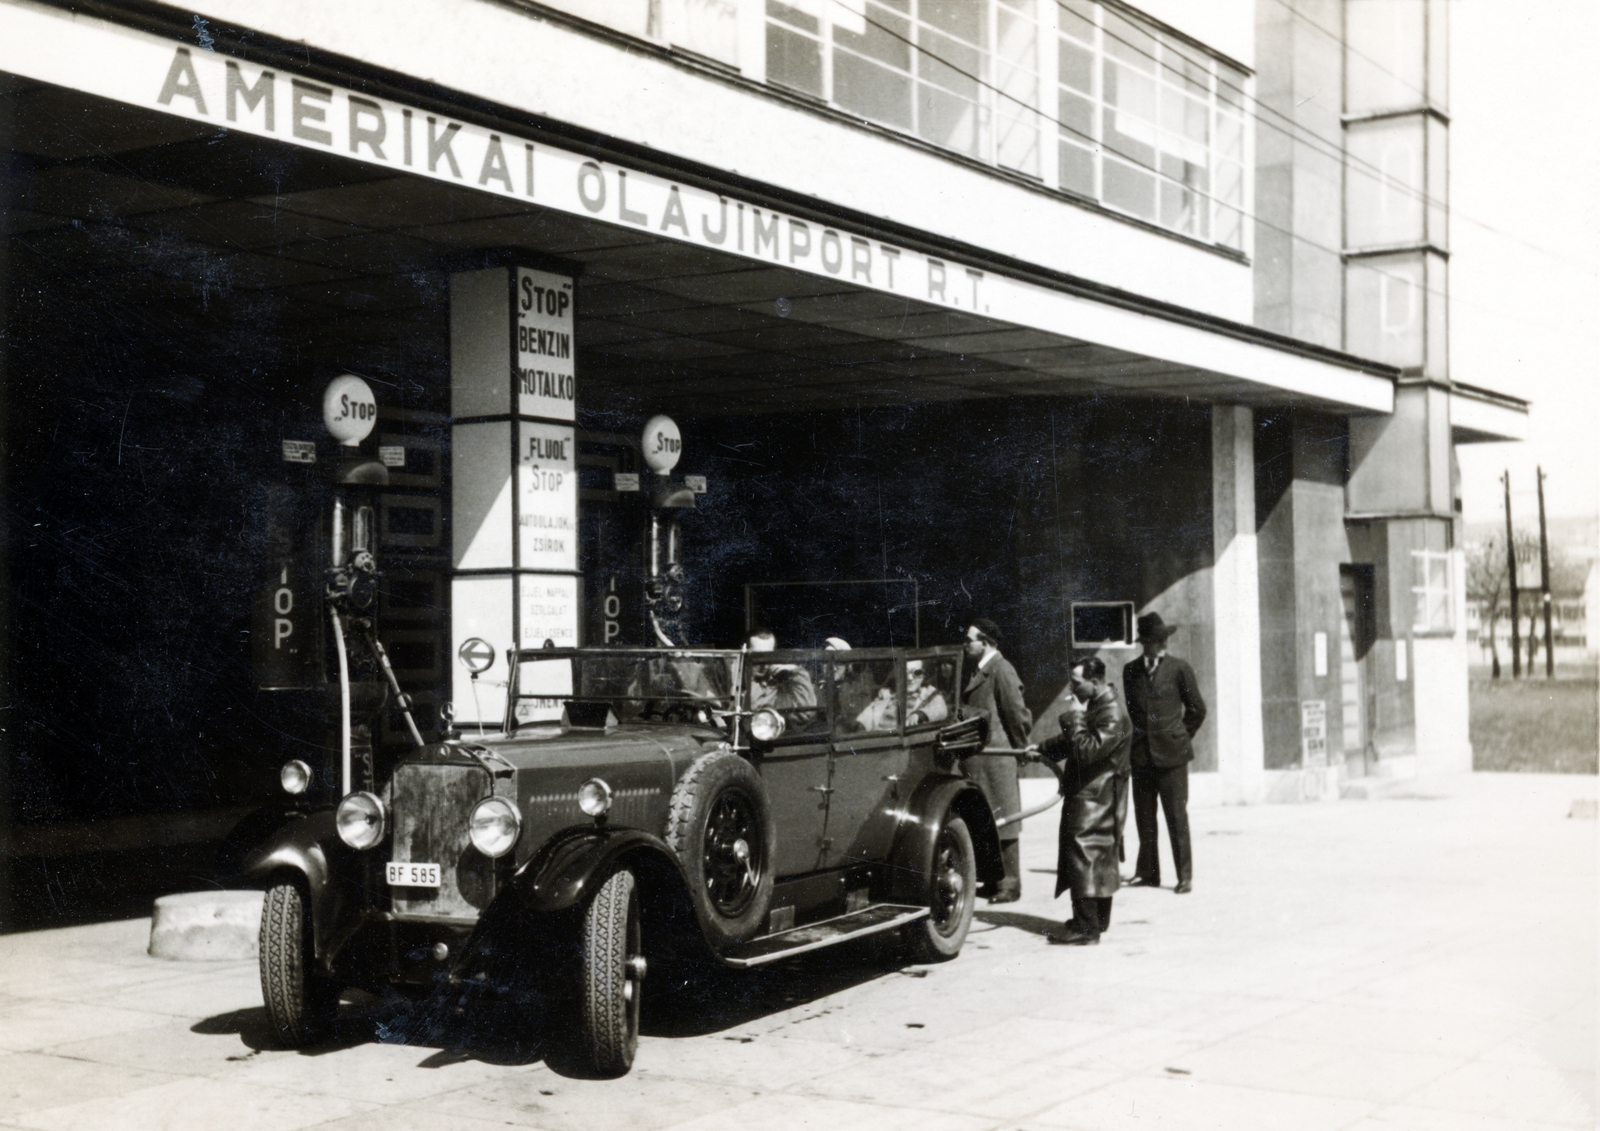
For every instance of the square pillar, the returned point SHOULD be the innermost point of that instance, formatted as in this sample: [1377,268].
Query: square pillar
[514,485]
[1236,612]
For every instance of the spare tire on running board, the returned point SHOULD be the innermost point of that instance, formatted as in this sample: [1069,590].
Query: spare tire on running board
[720,825]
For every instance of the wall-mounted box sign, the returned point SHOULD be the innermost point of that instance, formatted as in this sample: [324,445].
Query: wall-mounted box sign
[1314,732]
[1102,624]
[624,481]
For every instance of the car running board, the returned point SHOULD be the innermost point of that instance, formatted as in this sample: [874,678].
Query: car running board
[829,932]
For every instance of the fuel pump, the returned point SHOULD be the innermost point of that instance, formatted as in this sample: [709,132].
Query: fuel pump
[664,596]
[325,576]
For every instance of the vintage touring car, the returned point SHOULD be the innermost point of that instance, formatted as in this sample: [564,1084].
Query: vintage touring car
[636,802]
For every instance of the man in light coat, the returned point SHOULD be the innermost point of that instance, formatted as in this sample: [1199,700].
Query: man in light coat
[994,690]
[1166,708]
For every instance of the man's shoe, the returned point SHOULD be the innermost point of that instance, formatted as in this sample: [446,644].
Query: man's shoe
[1073,935]
[1141,882]
[1005,895]
[1184,887]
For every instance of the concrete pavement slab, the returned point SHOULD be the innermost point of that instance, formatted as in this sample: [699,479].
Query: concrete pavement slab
[36,1024]
[1538,1092]
[536,1097]
[1334,968]
[1191,1105]
[187,1104]
[1380,1075]
[29,1082]
[809,1113]
[990,1087]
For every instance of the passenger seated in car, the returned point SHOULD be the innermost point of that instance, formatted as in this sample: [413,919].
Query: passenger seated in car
[925,703]
[854,685]
[783,687]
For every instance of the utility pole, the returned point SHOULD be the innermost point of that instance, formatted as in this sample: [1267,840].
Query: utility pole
[1511,573]
[1544,587]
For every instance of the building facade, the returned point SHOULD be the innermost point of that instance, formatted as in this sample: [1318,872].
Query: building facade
[1023,304]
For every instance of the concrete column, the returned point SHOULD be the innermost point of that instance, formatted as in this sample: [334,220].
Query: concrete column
[1236,714]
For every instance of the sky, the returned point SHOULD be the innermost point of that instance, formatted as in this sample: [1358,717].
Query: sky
[1525,245]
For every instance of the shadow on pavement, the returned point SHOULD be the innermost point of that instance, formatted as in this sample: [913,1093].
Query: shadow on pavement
[690,998]
[1033,924]
[684,998]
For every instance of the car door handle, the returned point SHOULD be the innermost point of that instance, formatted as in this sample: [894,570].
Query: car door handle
[892,778]
[822,789]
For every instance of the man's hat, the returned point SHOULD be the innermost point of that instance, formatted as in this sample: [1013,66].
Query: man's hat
[988,628]
[1152,628]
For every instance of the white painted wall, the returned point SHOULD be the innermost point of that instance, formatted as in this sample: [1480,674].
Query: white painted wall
[522,61]
[1228,26]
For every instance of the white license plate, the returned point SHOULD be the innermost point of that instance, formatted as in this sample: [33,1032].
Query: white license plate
[407,875]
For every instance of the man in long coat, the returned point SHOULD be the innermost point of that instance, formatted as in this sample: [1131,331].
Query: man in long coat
[994,690]
[1166,708]
[1092,749]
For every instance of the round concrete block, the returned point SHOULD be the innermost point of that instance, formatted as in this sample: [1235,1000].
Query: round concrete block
[206,926]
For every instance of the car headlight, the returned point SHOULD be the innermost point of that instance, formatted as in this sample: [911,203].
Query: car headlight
[766,725]
[295,777]
[496,824]
[361,820]
[594,797]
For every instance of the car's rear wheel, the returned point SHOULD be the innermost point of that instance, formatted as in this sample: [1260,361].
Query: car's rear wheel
[301,1004]
[611,969]
[720,826]
[952,885]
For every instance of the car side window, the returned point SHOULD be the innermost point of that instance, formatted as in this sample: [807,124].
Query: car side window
[930,690]
[798,692]
[868,697]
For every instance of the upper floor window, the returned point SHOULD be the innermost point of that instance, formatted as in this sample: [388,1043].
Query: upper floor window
[1431,591]
[1137,119]
[1151,125]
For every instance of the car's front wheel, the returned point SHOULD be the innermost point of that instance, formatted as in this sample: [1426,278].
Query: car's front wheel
[301,1004]
[611,969]
[952,884]
[719,824]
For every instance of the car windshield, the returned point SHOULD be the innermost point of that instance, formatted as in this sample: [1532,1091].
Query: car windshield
[634,686]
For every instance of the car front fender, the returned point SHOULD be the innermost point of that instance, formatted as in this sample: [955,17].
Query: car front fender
[306,845]
[562,875]
[911,860]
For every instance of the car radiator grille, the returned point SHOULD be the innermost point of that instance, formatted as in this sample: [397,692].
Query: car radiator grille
[432,811]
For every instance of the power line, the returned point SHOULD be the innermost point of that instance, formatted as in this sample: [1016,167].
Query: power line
[1166,177]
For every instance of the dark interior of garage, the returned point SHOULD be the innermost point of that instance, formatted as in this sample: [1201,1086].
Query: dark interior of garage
[175,300]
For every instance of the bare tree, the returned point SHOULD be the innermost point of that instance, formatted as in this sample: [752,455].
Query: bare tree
[1487,585]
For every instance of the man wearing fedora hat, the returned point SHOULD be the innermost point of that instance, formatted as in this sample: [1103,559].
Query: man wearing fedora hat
[994,691]
[1165,706]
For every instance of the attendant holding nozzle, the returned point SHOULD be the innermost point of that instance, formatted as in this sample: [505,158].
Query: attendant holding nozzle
[1092,750]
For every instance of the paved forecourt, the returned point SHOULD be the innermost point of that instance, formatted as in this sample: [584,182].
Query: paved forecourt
[1421,962]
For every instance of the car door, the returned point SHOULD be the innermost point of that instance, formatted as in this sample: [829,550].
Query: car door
[794,768]
[872,750]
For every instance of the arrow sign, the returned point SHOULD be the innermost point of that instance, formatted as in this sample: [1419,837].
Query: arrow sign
[477,654]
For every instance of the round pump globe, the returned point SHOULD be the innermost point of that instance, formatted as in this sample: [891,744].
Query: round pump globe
[349,409]
[662,444]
